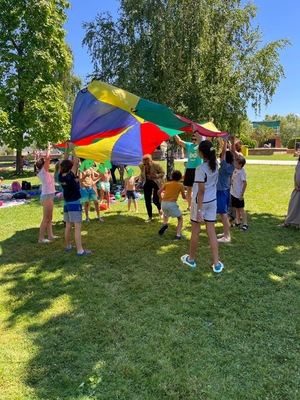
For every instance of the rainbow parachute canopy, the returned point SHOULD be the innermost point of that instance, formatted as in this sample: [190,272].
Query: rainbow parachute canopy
[109,123]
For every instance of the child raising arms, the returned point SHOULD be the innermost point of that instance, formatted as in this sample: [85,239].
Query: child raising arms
[72,204]
[47,196]
[204,206]
[88,178]
[130,189]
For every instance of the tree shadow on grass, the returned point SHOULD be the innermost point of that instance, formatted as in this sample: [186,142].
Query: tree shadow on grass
[130,322]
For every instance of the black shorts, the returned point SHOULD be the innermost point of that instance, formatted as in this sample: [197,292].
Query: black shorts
[237,203]
[189,177]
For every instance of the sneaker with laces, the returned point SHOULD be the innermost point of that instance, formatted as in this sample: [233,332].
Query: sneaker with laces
[87,220]
[191,263]
[84,253]
[245,227]
[217,268]
[163,229]
[224,239]
[220,235]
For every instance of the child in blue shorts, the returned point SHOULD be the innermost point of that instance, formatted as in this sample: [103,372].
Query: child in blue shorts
[88,179]
[72,204]
[223,191]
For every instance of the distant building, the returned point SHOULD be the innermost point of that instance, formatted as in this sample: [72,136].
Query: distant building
[275,126]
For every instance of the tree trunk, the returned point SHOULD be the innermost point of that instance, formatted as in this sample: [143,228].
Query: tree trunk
[19,162]
[170,157]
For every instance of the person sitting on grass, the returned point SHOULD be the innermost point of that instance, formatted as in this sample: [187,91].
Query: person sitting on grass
[47,197]
[88,178]
[130,189]
[237,191]
[169,195]
[223,191]
[204,206]
[72,204]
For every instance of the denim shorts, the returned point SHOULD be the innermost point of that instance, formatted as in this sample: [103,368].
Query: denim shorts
[223,201]
[88,194]
[171,209]
[49,196]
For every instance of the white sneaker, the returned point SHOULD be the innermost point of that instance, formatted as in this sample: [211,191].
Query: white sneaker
[220,235]
[224,239]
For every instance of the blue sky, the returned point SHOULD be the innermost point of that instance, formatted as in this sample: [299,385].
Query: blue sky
[276,18]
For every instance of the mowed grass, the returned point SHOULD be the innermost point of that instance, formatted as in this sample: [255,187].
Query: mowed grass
[130,322]
[277,157]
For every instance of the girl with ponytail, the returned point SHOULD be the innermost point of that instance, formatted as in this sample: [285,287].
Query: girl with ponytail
[204,206]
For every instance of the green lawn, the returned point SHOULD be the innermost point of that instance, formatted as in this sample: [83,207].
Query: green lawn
[279,157]
[130,322]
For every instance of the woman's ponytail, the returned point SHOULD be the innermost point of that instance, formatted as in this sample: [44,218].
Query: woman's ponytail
[209,153]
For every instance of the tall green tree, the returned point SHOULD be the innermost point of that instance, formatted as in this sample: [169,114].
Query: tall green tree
[35,73]
[203,58]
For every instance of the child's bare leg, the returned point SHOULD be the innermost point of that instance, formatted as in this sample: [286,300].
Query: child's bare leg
[194,240]
[179,226]
[189,196]
[244,216]
[49,226]
[165,220]
[45,220]
[129,204]
[78,243]
[68,234]
[238,216]
[96,204]
[86,209]
[108,199]
[211,233]
[135,203]
[226,225]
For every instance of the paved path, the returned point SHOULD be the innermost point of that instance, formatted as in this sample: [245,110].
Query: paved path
[260,162]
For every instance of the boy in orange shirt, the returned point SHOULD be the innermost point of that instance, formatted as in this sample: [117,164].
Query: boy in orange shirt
[170,208]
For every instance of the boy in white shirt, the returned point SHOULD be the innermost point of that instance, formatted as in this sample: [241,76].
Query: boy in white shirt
[237,191]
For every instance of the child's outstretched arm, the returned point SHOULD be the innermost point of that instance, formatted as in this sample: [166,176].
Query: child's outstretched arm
[161,190]
[200,196]
[183,193]
[243,189]
[47,157]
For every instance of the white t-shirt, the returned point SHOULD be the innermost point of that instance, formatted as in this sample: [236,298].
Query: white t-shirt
[47,179]
[237,181]
[210,178]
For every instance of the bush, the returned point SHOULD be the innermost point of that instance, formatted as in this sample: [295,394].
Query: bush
[292,142]
[251,143]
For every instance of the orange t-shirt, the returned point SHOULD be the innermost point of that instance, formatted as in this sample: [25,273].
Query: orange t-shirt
[172,190]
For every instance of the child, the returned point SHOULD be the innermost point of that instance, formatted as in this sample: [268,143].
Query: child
[103,185]
[170,208]
[130,189]
[238,187]
[72,205]
[47,197]
[88,178]
[223,191]
[204,206]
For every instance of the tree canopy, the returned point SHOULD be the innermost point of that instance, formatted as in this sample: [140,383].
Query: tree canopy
[36,78]
[204,58]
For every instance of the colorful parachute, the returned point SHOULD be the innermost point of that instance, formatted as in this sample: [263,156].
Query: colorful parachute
[109,123]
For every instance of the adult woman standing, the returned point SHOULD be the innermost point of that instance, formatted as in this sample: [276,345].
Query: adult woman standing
[152,175]
[293,215]
[193,162]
